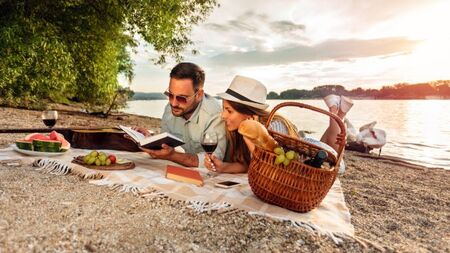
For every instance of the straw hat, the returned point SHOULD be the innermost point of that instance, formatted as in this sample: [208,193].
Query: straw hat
[247,91]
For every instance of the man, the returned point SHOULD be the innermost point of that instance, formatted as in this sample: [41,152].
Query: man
[189,114]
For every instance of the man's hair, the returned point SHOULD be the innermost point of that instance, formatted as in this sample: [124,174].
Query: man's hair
[188,70]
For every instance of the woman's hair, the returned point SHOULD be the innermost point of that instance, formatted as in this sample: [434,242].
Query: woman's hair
[237,151]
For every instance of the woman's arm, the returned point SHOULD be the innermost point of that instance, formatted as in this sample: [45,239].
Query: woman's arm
[212,163]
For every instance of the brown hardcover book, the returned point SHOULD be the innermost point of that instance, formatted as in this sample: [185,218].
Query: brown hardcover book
[184,175]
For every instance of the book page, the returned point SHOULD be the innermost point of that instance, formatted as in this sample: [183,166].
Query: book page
[138,137]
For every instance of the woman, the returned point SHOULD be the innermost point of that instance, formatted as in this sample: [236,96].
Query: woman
[246,99]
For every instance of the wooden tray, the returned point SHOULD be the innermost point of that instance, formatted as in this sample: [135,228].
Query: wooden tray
[116,166]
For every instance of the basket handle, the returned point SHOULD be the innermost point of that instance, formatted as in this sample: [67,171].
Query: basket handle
[341,136]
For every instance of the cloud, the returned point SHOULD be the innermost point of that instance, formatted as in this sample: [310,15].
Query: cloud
[328,50]
[253,22]
[286,26]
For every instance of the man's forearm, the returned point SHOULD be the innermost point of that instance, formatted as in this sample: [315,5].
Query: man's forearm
[189,160]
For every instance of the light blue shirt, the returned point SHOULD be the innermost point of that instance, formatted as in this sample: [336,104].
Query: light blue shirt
[206,118]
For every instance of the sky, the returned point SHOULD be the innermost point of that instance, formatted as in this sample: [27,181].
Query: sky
[291,44]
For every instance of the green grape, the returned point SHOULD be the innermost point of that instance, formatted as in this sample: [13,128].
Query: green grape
[279,159]
[290,154]
[101,154]
[286,162]
[93,153]
[98,162]
[278,151]
[86,158]
[108,162]
[91,160]
[102,157]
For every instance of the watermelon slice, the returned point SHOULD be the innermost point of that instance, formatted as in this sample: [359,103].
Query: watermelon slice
[53,135]
[23,144]
[53,142]
[46,145]
[36,136]
[59,137]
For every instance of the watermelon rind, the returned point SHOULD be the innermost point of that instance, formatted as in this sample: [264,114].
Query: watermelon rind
[46,145]
[47,149]
[23,144]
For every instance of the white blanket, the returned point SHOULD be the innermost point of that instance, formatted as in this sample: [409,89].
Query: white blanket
[332,217]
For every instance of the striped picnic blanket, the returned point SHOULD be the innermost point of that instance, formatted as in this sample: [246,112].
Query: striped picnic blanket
[332,217]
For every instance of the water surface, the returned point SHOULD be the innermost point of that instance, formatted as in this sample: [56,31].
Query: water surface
[417,130]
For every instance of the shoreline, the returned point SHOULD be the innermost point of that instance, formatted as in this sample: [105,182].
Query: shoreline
[353,98]
[71,110]
[396,206]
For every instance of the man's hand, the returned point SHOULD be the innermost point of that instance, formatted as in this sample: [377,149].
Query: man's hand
[165,153]
[142,130]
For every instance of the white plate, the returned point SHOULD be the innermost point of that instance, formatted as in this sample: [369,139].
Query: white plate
[38,153]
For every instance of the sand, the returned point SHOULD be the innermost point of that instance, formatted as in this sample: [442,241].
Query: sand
[394,208]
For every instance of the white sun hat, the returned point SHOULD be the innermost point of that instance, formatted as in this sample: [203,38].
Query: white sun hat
[247,91]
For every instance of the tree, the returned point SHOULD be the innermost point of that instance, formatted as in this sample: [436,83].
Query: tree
[272,95]
[325,90]
[74,49]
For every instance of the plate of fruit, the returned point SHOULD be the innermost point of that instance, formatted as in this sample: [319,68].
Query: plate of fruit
[39,144]
[102,161]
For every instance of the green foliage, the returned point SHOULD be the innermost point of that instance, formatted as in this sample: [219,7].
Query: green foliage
[35,64]
[73,50]
[272,95]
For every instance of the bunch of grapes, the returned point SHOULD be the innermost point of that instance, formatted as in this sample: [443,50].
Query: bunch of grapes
[99,158]
[283,157]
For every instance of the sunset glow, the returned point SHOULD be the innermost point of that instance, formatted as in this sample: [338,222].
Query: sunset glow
[308,43]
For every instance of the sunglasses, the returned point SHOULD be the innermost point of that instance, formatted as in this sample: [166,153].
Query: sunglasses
[180,99]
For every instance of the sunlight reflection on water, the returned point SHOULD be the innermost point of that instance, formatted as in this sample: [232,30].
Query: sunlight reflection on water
[417,130]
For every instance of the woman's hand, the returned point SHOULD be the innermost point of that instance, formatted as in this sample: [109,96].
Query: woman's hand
[212,163]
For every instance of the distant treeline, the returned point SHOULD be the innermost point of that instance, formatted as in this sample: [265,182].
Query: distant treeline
[437,89]
[148,96]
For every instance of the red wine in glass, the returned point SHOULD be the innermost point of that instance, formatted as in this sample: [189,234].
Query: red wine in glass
[209,142]
[209,148]
[49,122]
[50,118]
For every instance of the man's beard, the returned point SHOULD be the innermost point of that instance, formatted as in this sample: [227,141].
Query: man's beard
[183,111]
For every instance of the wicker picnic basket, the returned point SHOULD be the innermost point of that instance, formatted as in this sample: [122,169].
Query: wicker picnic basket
[297,186]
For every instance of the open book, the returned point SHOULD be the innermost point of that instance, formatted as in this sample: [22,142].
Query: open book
[154,141]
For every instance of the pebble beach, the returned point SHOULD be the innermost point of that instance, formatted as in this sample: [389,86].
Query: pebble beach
[395,207]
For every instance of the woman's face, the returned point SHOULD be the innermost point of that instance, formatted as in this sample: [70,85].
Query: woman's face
[232,117]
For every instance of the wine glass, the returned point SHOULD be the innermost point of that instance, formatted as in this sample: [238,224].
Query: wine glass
[209,143]
[49,118]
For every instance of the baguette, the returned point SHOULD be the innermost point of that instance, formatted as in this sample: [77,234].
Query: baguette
[257,134]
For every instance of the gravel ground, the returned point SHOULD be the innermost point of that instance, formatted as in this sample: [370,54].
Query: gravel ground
[394,208]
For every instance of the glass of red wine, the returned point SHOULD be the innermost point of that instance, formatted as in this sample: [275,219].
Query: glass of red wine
[209,143]
[49,118]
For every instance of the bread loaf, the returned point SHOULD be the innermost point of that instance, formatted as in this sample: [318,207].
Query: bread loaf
[257,134]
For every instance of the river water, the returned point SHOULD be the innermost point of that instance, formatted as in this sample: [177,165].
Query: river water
[417,130]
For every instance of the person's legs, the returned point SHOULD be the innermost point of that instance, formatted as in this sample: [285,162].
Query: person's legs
[340,108]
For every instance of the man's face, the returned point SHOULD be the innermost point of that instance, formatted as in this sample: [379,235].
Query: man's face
[183,99]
